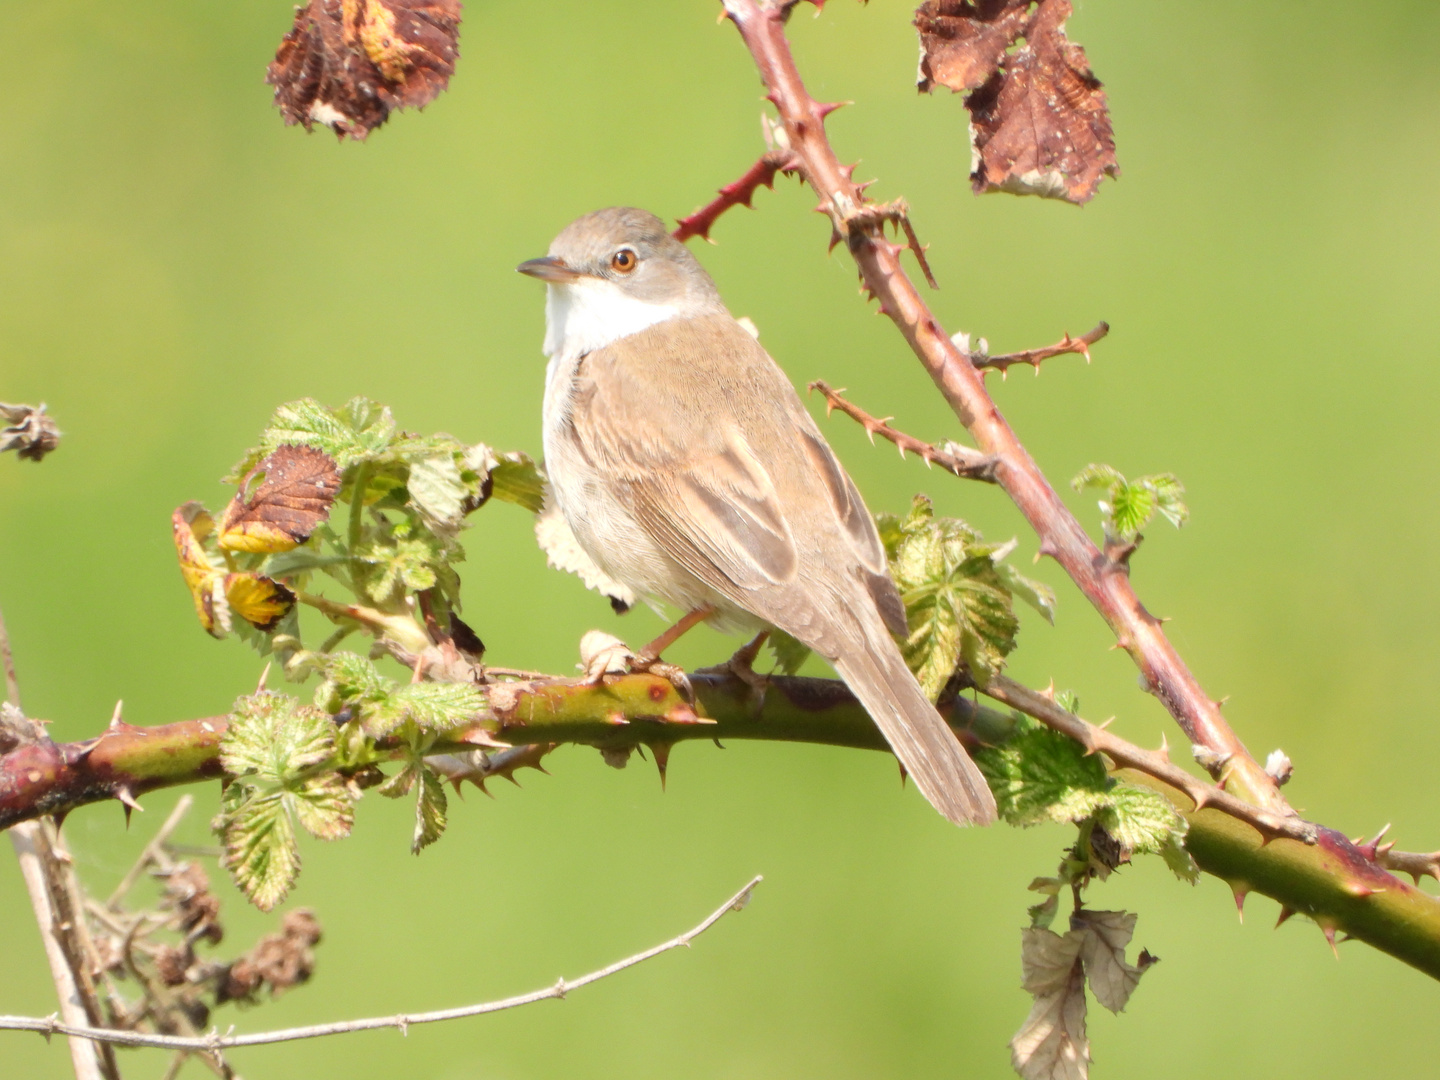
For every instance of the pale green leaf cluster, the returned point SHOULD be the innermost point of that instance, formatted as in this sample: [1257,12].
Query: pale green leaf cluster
[1039,775]
[1129,505]
[430,801]
[380,705]
[958,595]
[276,751]
[403,501]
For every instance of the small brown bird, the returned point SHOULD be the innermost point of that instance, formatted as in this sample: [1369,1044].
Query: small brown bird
[689,472]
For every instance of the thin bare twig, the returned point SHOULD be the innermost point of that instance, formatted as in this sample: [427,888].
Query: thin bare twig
[762,27]
[214,1041]
[1005,361]
[55,897]
[960,460]
[738,193]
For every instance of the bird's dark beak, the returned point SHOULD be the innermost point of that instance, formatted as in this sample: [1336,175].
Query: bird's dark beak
[548,269]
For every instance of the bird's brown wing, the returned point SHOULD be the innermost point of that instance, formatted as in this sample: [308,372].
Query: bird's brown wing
[683,420]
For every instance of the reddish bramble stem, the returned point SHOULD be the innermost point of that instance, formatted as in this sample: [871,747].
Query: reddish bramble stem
[1104,582]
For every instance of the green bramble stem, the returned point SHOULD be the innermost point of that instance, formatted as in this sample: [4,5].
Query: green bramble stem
[1323,881]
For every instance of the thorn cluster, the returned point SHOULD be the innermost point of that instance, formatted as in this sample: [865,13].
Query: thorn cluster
[1005,361]
[959,460]
[738,193]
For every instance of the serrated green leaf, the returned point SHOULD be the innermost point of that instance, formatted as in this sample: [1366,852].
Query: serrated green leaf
[1094,475]
[438,706]
[1129,506]
[789,652]
[272,737]
[515,478]
[438,490]
[1035,593]
[357,431]
[402,782]
[259,847]
[1141,820]
[1169,501]
[1040,775]
[430,807]
[1177,858]
[1068,700]
[1130,509]
[325,807]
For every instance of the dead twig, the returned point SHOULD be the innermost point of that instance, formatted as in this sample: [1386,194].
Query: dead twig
[215,1042]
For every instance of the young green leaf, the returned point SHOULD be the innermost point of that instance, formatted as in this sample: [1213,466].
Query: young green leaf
[957,602]
[271,749]
[438,706]
[430,806]
[1040,775]
[789,653]
[325,807]
[517,479]
[1130,505]
[1141,820]
[438,490]
[259,845]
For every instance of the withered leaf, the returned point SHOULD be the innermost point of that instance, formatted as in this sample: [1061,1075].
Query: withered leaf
[1112,978]
[297,486]
[257,599]
[191,523]
[349,63]
[1039,121]
[963,42]
[1052,1043]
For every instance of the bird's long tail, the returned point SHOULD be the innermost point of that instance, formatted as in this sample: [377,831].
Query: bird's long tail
[924,743]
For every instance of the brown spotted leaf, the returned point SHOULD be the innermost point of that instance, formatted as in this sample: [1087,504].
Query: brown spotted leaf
[293,490]
[1039,121]
[349,63]
[962,43]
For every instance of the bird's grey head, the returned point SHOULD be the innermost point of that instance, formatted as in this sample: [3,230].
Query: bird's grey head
[613,273]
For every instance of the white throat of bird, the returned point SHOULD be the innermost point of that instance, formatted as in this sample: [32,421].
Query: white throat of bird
[590,313]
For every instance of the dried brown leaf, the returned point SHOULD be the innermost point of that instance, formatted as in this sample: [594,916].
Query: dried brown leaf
[1106,934]
[297,487]
[962,43]
[1039,121]
[349,63]
[1052,1044]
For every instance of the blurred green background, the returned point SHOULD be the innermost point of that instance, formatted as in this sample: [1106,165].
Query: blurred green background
[174,263]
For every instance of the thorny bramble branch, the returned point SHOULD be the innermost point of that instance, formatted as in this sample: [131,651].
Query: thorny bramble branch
[739,193]
[959,460]
[1105,583]
[1005,361]
[215,1042]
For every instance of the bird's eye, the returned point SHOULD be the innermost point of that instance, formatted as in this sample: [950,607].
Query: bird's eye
[623,261]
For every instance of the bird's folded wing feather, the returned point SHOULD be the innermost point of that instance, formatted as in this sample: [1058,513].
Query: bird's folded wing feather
[683,418]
